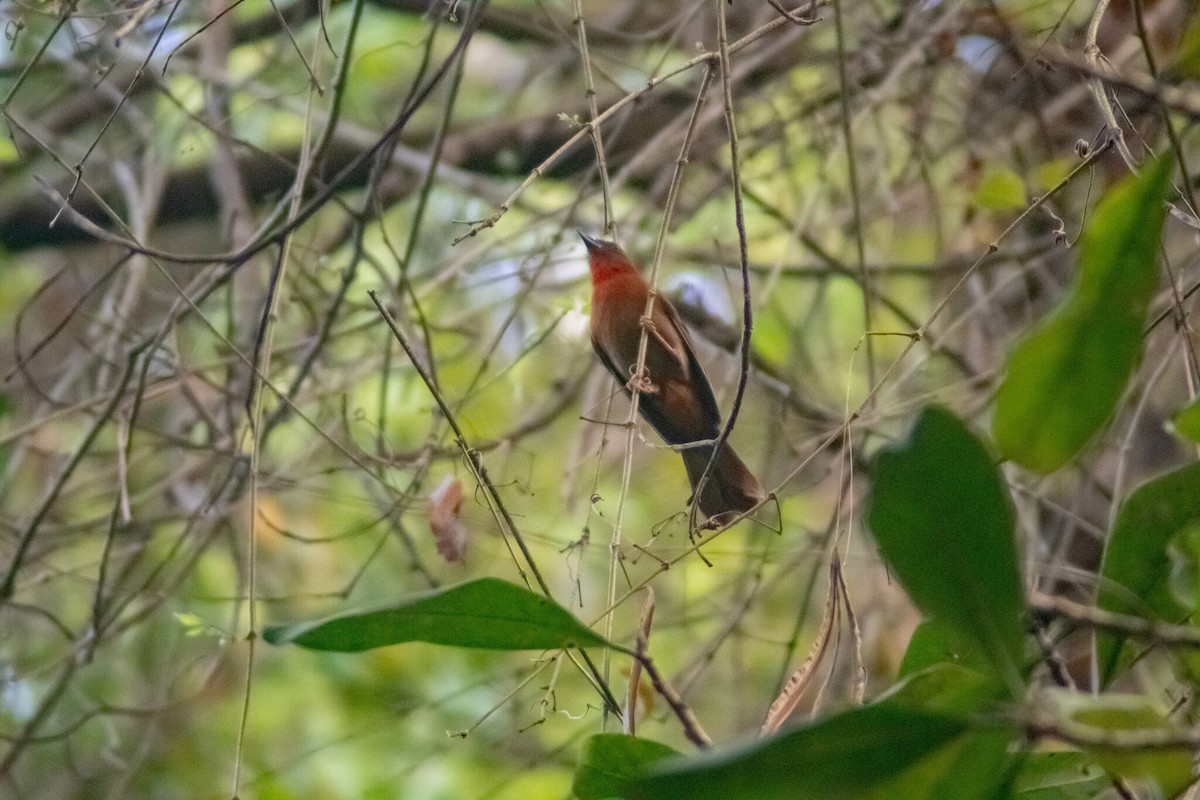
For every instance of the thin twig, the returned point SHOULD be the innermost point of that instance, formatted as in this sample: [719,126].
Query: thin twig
[264,343]
[78,166]
[1187,194]
[64,14]
[475,462]
[639,368]
[597,140]
[1091,51]
[739,211]
[852,178]
[585,130]
[683,712]
[25,537]
[276,233]
[1138,627]
[635,670]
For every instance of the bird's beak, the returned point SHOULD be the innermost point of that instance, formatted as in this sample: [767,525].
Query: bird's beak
[591,242]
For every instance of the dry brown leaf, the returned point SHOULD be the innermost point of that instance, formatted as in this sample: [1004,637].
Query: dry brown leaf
[789,698]
[635,672]
[450,533]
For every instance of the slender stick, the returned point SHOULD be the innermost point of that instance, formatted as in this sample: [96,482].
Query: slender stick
[475,462]
[852,177]
[739,211]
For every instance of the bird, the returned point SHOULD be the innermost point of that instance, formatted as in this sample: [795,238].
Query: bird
[674,396]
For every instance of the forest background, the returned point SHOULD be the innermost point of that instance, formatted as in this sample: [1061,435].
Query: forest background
[208,426]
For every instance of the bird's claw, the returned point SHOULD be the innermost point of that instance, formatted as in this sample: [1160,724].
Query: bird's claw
[651,329]
[640,382]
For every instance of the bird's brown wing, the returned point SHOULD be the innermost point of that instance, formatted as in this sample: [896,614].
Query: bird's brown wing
[681,406]
[608,363]
[695,371]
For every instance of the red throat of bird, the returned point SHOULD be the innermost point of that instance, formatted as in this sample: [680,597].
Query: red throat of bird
[606,260]
[606,266]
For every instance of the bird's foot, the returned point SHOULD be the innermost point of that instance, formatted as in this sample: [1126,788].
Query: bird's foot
[640,382]
[652,331]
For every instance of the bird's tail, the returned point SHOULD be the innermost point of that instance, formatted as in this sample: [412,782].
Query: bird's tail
[731,487]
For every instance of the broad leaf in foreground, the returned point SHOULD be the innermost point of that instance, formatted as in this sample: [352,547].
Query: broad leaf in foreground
[487,613]
[1065,379]
[1136,569]
[843,756]
[942,517]
[1067,775]
[610,760]
[1187,421]
[1112,715]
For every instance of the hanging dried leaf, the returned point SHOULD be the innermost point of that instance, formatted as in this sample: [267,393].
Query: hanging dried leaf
[449,531]
[635,672]
[789,698]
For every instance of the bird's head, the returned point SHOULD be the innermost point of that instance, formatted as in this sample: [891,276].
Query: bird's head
[605,257]
[595,244]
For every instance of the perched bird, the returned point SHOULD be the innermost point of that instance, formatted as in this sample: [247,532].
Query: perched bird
[676,397]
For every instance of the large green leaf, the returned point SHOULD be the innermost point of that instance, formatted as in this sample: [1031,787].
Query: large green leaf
[1169,767]
[936,642]
[835,757]
[974,766]
[488,613]
[1136,568]
[971,767]
[610,760]
[1187,421]
[943,520]
[948,688]
[850,755]
[1067,775]
[1000,189]
[1064,380]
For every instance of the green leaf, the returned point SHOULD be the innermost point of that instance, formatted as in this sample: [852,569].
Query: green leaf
[1050,173]
[194,625]
[977,765]
[1065,379]
[488,613]
[1060,776]
[1170,768]
[973,766]
[935,642]
[1187,56]
[915,743]
[843,756]
[942,518]
[1000,189]
[1062,384]
[948,688]
[1136,568]
[1184,582]
[1187,421]
[610,760]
